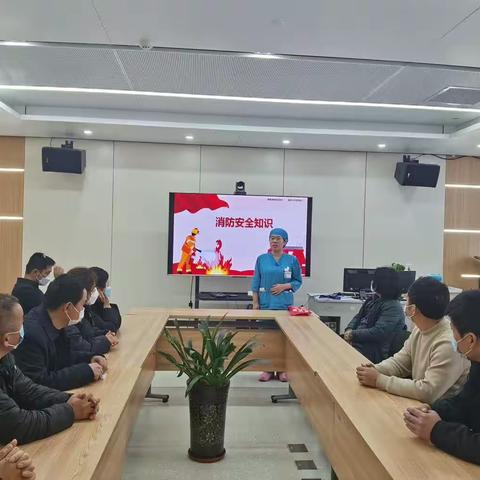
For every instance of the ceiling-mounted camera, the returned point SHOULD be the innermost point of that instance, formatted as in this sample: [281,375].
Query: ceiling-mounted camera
[145,44]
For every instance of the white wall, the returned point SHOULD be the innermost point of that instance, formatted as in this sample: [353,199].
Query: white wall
[67,216]
[336,181]
[403,224]
[116,214]
[144,175]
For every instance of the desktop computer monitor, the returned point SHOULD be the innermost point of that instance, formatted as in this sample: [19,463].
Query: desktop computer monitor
[357,279]
[406,278]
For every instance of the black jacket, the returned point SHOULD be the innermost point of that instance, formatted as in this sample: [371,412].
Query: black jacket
[28,411]
[375,326]
[106,318]
[459,431]
[46,356]
[87,337]
[28,293]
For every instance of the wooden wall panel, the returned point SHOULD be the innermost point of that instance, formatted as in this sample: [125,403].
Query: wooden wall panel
[462,211]
[463,171]
[11,233]
[458,253]
[12,152]
[12,155]
[11,194]
[462,208]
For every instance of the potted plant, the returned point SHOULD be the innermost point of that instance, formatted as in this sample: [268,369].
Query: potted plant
[209,371]
[398,267]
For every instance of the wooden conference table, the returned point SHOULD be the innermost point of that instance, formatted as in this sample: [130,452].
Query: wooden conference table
[361,429]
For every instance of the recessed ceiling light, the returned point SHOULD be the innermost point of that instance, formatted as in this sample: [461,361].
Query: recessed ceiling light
[87,132]
[189,137]
[381,145]
[262,55]
[286,142]
[478,146]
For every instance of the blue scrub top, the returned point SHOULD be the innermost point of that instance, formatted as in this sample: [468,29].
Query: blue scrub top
[269,272]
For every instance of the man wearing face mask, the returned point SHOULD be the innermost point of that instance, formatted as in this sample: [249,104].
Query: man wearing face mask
[426,368]
[453,425]
[28,411]
[87,336]
[46,355]
[37,274]
[107,315]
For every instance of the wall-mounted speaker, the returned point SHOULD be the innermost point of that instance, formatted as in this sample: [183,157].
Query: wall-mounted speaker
[65,160]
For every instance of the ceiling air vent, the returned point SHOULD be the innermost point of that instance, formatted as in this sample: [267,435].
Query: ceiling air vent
[456,96]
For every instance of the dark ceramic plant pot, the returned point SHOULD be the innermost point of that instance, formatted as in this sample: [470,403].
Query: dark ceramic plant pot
[208,405]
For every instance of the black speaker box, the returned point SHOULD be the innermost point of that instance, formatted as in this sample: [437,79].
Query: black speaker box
[417,174]
[65,160]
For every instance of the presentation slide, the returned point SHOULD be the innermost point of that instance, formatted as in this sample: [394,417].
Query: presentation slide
[212,234]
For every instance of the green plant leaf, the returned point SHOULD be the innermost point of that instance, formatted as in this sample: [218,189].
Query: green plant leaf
[192,383]
[248,346]
[242,366]
[207,364]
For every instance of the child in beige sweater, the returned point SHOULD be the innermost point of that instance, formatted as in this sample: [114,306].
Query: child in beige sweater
[427,368]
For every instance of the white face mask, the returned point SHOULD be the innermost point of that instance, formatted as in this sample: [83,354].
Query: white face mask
[455,347]
[72,321]
[44,281]
[406,309]
[93,297]
[21,335]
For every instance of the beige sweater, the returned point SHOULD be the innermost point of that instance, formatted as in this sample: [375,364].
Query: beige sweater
[426,368]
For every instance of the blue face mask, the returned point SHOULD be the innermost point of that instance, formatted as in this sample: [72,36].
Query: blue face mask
[21,334]
[455,347]
[108,292]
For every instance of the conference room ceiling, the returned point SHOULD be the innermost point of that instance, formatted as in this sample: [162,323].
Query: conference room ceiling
[336,74]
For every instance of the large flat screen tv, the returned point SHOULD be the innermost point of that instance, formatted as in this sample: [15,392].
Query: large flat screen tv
[213,234]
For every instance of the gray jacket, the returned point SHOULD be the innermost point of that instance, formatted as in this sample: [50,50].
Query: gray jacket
[375,326]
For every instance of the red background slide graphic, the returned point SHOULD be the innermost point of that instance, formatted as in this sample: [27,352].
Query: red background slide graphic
[193,203]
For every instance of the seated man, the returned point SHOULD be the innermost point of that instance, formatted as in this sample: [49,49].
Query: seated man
[46,355]
[28,411]
[107,315]
[37,273]
[372,330]
[15,463]
[86,335]
[426,368]
[453,424]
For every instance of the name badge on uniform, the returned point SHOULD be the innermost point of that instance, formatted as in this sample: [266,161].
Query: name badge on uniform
[287,273]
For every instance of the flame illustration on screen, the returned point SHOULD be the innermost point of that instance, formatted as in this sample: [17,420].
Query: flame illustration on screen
[217,265]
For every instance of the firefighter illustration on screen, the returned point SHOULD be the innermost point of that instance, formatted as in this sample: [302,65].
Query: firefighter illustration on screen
[188,251]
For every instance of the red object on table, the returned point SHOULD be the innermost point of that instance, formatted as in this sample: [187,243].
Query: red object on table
[299,311]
